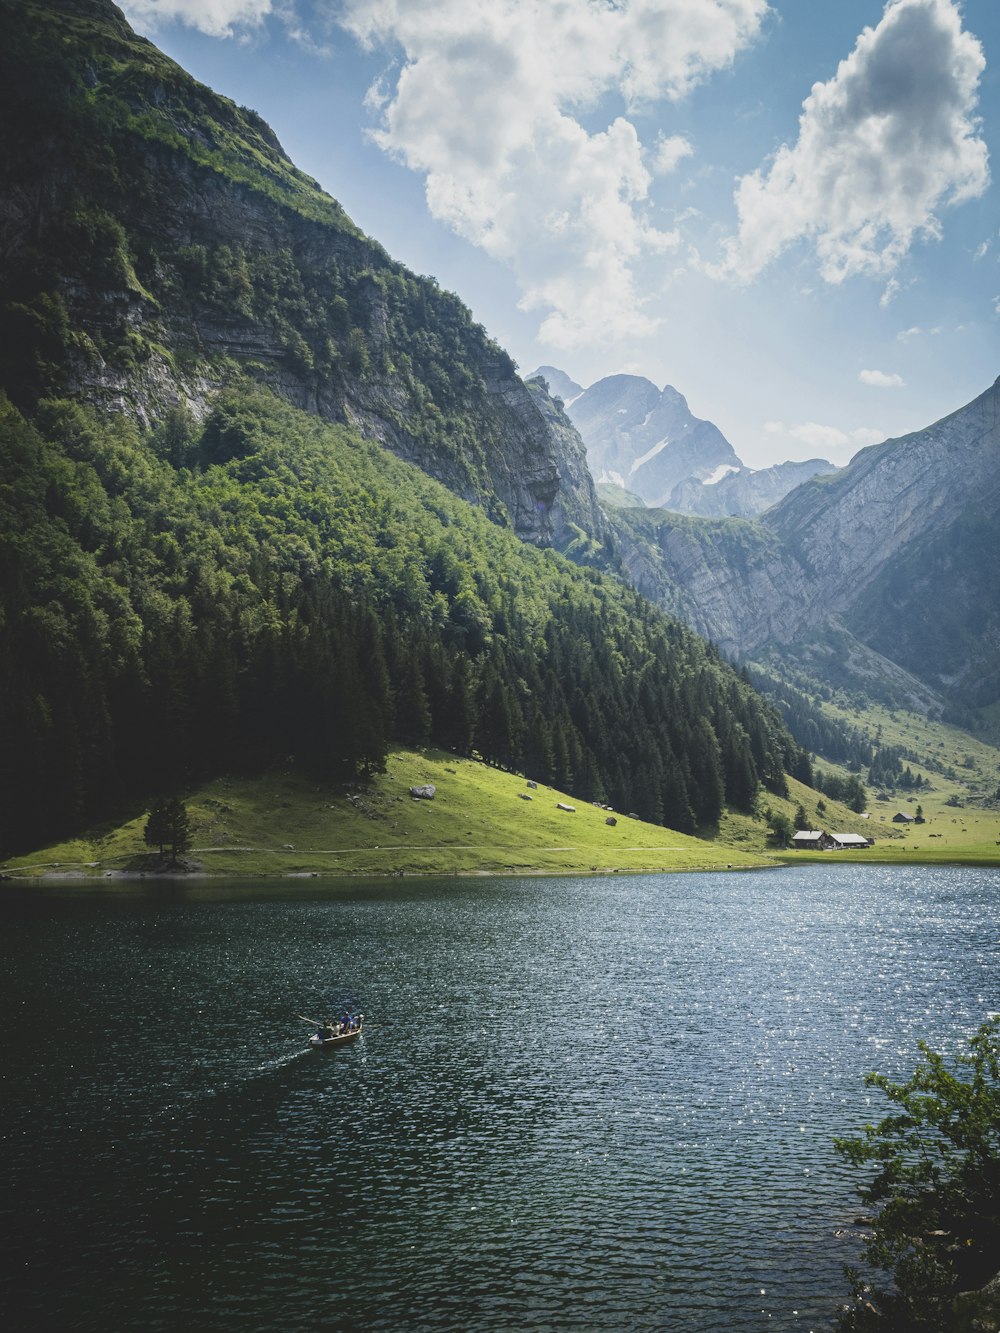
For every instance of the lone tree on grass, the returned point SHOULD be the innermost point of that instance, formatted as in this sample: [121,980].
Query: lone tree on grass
[936,1233]
[168,825]
[781,829]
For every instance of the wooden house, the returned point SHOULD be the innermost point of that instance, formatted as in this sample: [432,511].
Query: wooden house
[812,839]
[844,842]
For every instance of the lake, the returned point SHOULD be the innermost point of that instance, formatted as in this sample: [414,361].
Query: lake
[601,1103]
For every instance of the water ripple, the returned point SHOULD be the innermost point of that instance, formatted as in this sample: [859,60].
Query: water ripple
[592,1104]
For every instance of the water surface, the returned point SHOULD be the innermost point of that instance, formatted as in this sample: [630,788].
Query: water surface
[579,1104]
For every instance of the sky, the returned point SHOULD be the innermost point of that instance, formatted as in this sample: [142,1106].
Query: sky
[785,210]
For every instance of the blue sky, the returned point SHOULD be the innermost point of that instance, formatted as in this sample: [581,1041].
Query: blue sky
[785,210]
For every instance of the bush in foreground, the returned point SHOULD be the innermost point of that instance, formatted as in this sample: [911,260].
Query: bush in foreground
[936,1189]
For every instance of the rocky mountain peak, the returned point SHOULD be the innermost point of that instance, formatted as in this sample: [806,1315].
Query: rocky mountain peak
[646,439]
[881,575]
[559,383]
[645,444]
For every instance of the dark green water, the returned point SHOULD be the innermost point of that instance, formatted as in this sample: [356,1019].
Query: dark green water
[599,1103]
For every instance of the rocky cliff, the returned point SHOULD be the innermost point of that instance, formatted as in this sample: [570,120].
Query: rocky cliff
[156,243]
[882,572]
[647,443]
[558,383]
[647,440]
[745,493]
[155,240]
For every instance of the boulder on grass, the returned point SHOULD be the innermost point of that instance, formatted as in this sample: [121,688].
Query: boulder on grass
[424,792]
[570,808]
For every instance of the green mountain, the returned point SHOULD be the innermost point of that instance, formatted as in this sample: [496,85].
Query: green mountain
[267,496]
[156,237]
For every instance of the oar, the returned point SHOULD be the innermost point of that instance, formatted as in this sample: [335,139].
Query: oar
[314,1021]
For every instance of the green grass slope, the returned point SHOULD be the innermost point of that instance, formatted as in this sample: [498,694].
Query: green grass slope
[479,822]
[960,799]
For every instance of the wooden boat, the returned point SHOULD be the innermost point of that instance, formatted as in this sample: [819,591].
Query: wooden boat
[327,1043]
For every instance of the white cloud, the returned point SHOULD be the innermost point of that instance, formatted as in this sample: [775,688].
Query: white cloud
[889,293]
[879,379]
[217,18]
[882,147]
[669,153]
[829,442]
[488,106]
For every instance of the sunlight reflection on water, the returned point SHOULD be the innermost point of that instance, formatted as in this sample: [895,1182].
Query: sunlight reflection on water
[579,1104]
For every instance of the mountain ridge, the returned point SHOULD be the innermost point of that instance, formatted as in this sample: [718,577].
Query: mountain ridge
[647,442]
[304,300]
[841,556]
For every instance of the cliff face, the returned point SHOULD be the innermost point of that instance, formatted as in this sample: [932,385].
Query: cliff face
[576,509]
[889,563]
[154,238]
[746,493]
[850,526]
[155,243]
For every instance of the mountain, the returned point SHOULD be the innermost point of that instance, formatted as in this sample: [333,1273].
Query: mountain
[156,236]
[557,382]
[881,576]
[269,498]
[878,577]
[647,440]
[747,492]
[648,443]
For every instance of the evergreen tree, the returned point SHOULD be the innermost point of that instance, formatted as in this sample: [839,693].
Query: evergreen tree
[178,829]
[168,825]
[413,714]
[706,771]
[157,831]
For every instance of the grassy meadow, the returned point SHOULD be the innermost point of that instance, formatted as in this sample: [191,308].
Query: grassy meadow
[479,822]
[958,800]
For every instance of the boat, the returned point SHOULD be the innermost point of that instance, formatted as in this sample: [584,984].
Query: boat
[332,1038]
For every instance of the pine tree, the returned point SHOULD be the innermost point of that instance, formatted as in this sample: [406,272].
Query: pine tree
[157,830]
[168,825]
[178,829]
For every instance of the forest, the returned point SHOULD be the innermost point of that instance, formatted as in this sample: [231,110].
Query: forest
[266,587]
[253,584]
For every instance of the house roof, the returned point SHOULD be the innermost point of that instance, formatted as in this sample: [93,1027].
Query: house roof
[807,835]
[849,839]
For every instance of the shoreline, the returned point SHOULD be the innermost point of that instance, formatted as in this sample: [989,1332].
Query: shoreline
[538,872]
[81,878]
